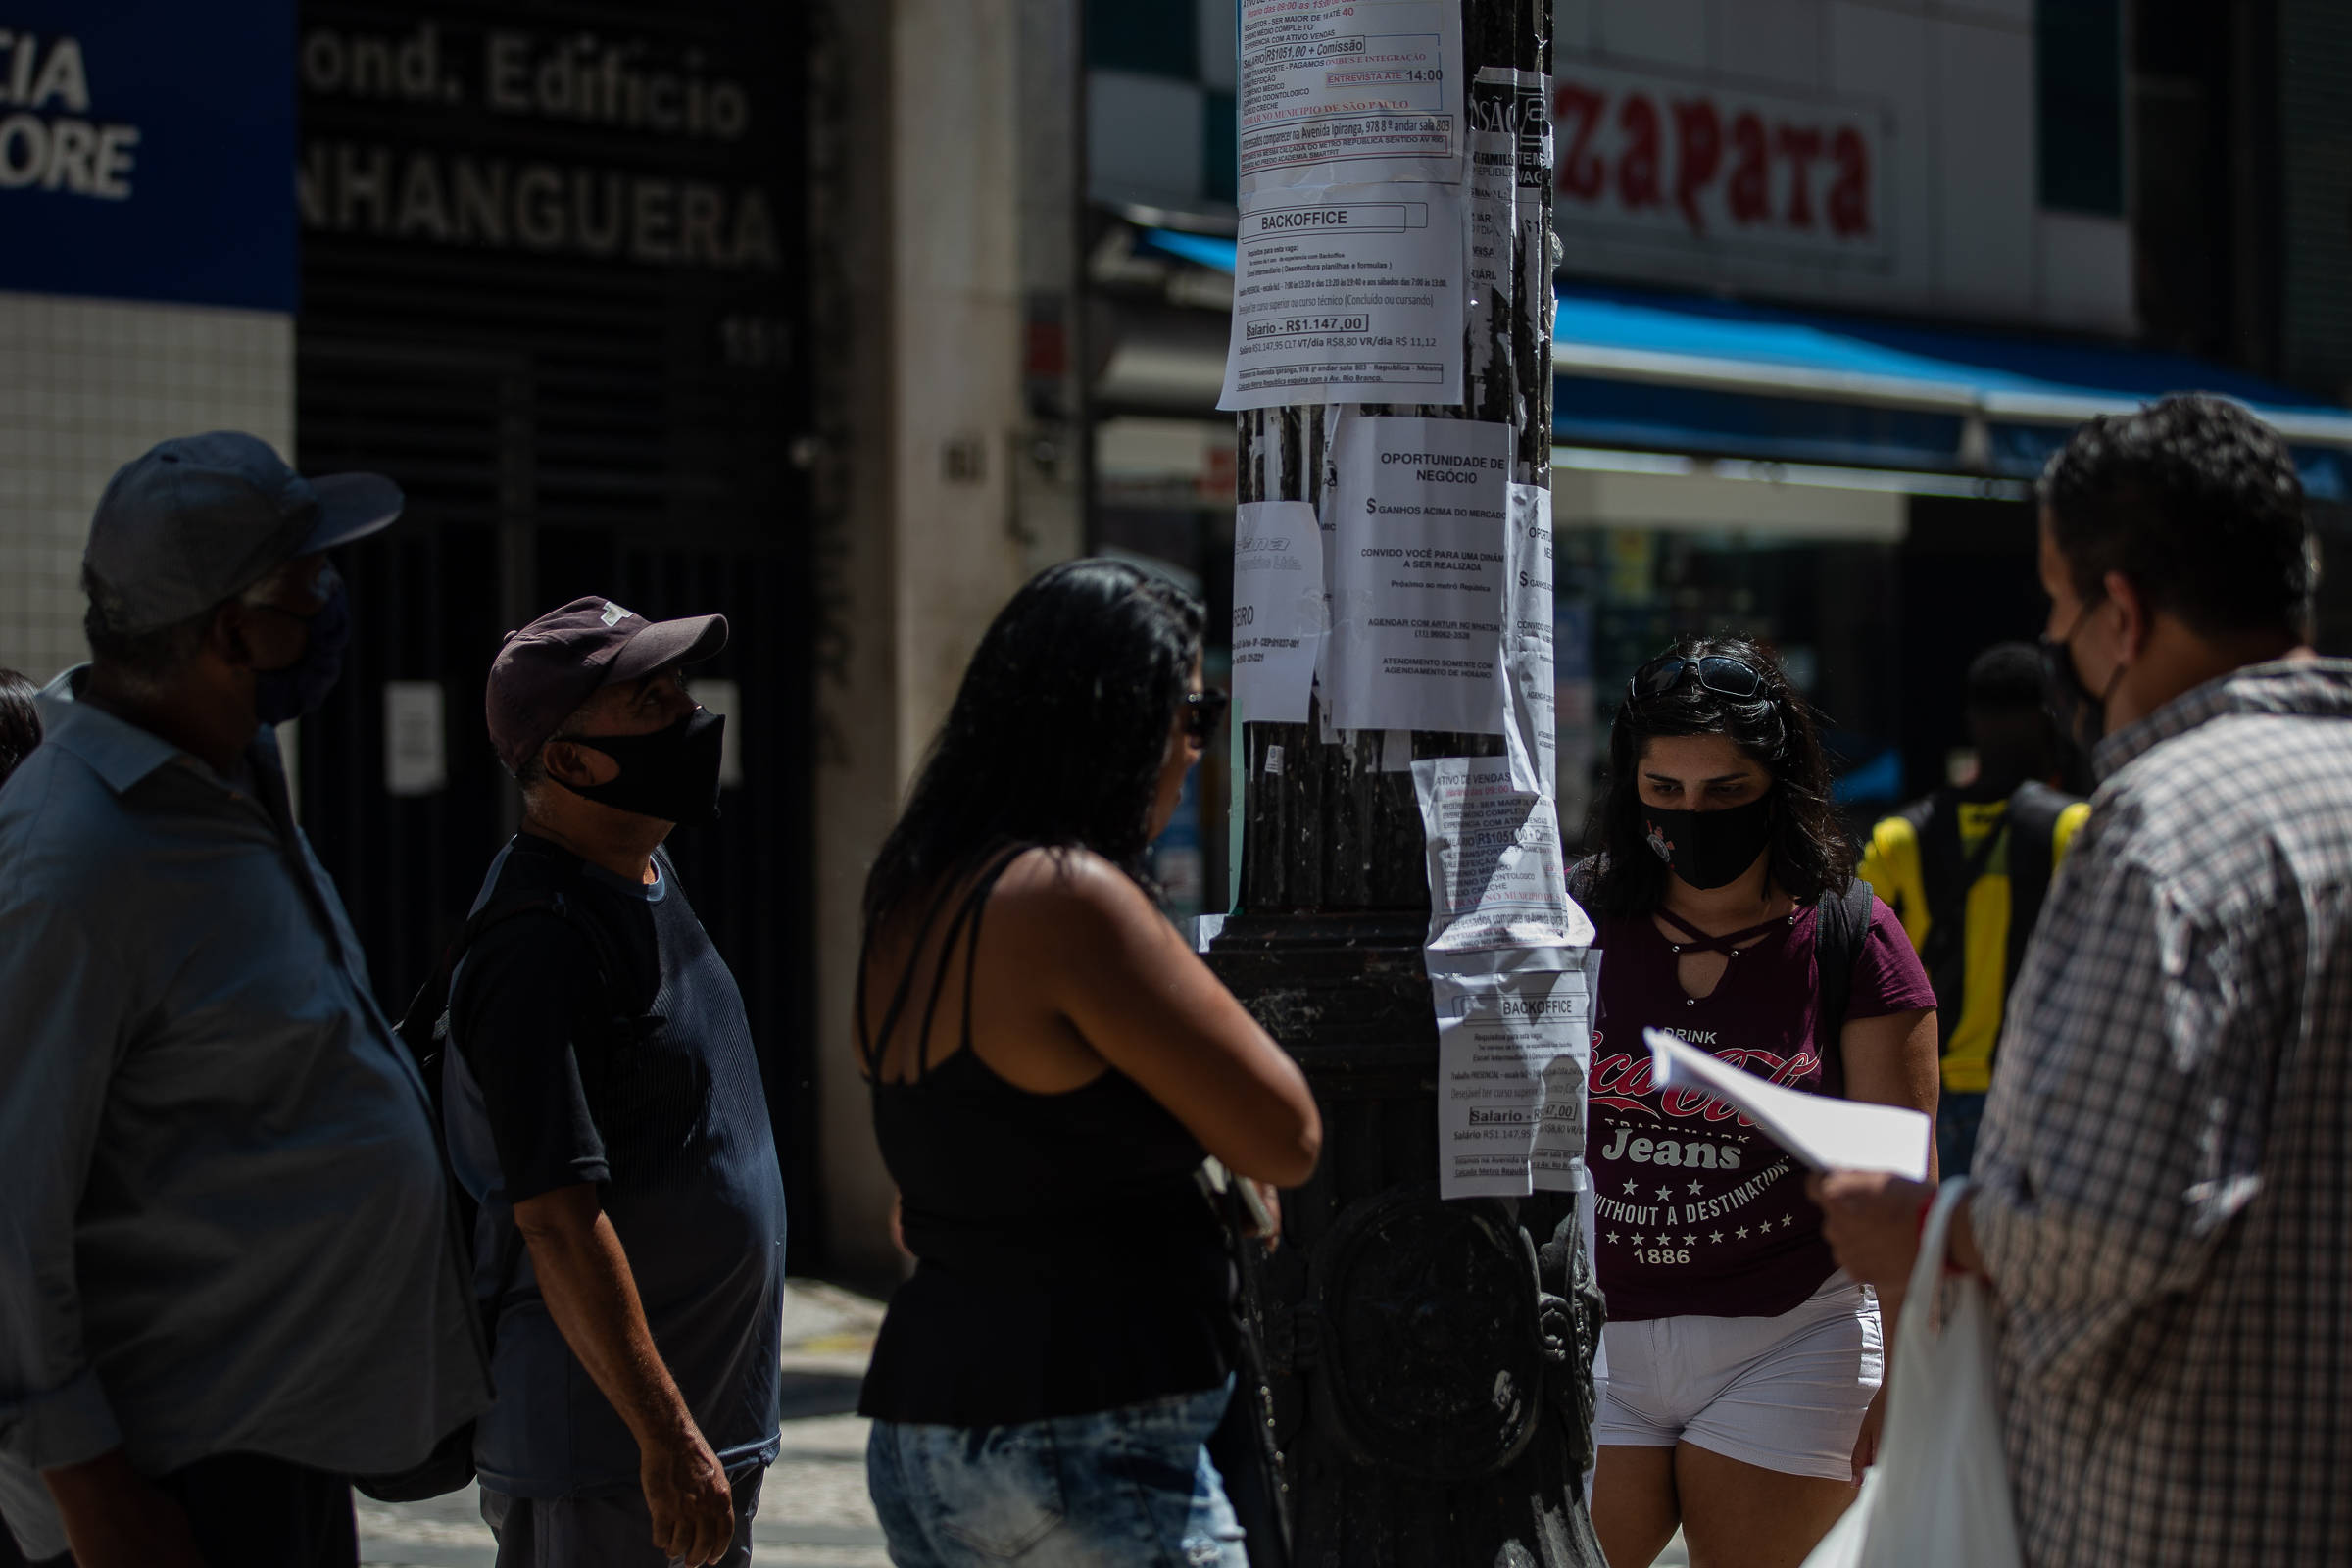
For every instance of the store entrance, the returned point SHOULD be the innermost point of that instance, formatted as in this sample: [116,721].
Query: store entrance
[1827,605]
[573,334]
[402,795]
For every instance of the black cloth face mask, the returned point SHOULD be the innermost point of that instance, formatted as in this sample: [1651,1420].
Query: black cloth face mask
[1708,849]
[2079,713]
[670,775]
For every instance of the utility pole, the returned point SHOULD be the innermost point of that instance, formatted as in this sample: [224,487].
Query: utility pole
[1428,1362]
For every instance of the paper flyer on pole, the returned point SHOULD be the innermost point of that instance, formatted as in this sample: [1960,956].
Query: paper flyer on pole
[1347,293]
[1493,228]
[1514,1049]
[1822,1133]
[1532,716]
[1495,875]
[1418,571]
[1348,89]
[1278,609]
[1508,163]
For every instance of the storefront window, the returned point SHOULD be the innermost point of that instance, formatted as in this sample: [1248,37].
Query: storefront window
[1624,594]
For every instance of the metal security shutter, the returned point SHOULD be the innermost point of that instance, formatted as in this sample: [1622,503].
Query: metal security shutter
[2315,144]
[571,334]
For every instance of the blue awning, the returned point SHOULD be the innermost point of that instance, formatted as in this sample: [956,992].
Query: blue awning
[1201,250]
[1684,372]
[1690,373]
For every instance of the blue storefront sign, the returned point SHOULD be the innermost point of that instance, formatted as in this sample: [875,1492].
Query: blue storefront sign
[146,149]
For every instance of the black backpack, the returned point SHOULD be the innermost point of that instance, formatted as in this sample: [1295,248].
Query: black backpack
[1948,874]
[425,1030]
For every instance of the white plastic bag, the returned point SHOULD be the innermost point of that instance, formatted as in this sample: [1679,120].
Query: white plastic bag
[1938,1496]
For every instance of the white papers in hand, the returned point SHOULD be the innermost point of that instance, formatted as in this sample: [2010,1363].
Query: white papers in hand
[1822,1133]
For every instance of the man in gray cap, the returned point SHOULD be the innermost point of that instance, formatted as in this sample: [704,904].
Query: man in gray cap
[605,1105]
[227,1281]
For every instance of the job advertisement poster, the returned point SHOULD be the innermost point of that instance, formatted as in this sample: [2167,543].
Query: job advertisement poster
[1533,726]
[1514,1049]
[1278,609]
[1418,569]
[1347,294]
[1496,878]
[1349,90]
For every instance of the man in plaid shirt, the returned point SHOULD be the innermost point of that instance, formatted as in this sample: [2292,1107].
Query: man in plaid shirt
[2163,1203]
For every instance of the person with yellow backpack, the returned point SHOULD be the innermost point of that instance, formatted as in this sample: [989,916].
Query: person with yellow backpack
[1966,868]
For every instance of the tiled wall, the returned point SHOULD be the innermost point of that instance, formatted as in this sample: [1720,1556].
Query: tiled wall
[86,386]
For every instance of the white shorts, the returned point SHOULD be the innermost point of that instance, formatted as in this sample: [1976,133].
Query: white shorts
[1785,1393]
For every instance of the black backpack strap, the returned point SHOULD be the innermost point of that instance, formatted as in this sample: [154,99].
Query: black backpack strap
[1946,869]
[1949,876]
[426,1023]
[2034,813]
[1843,923]
[1923,814]
[424,1026]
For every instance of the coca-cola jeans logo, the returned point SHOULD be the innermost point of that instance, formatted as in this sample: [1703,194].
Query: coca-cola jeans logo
[1623,1081]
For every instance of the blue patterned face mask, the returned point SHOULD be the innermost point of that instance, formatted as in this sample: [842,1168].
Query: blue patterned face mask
[288,693]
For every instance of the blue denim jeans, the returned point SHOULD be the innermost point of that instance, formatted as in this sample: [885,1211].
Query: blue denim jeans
[1957,1119]
[1130,1485]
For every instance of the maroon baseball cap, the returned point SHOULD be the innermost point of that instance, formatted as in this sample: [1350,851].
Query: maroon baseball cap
[546,671]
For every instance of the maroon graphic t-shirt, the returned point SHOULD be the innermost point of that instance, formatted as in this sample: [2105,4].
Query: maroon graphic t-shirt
[1700,1214]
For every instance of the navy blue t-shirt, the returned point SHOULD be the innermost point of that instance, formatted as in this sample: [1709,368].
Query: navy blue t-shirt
[644,1082]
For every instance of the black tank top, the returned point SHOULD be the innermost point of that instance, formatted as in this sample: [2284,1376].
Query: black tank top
[1067,1260]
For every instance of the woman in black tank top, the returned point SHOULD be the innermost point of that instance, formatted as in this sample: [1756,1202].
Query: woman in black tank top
[1049,1064]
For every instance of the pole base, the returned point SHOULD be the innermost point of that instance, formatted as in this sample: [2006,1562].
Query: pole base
[1427,1365]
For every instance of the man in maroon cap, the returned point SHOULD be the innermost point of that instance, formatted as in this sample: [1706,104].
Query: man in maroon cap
[605,1105]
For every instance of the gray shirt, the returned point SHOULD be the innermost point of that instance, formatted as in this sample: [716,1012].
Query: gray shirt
[224,1227]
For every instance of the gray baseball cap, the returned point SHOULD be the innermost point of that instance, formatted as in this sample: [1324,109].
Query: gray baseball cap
[200,518]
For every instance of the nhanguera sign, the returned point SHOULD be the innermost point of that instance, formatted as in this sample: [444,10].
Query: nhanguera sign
[567,142]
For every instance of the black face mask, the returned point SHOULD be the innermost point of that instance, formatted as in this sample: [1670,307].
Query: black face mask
[1708,849]
[2080,713]
[670,775]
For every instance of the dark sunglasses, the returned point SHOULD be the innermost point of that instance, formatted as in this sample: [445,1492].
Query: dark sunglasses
[1204,711]
[1719,674]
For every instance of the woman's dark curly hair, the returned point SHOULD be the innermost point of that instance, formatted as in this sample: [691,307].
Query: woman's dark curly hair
[1811,852]
[1057,734]
[20,722]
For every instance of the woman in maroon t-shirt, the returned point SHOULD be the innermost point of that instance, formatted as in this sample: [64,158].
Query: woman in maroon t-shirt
[1743,1368]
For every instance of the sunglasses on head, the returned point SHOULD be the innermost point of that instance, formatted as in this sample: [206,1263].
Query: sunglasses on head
[1204,711]
[1720,673]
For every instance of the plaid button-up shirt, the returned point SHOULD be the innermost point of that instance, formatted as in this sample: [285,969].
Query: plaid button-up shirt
[2165,1185]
